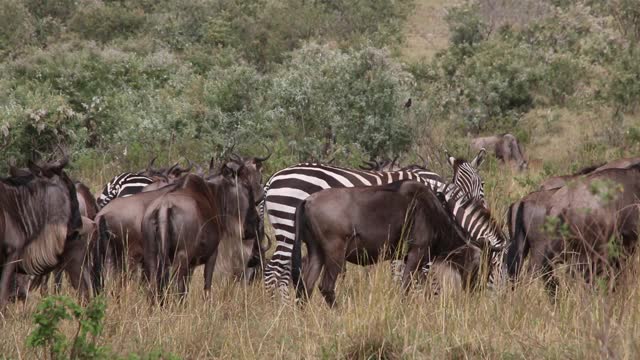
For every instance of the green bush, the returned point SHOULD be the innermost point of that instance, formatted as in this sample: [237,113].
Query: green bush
[323,97]
[16,26]
[104,22]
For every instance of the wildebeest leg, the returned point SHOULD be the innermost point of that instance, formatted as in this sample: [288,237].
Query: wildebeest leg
[75,268]
[8,272]
[209,267]
[181,271]
[414,259]
[550,280]
[311,273]
[334,264]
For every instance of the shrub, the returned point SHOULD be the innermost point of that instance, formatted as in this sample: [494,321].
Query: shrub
[16,26]
[323,97]
[104,22]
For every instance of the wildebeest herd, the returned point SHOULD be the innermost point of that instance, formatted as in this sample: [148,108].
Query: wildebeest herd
[166,222]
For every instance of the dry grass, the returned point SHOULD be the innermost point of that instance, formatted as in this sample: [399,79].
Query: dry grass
[372,321]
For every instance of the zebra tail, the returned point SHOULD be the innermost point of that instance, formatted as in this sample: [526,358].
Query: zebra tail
[519,247]
[296,256]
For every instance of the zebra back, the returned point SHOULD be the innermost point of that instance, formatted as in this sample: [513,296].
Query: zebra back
[122,185]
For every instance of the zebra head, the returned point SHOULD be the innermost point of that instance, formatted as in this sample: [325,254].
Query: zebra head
[467,177]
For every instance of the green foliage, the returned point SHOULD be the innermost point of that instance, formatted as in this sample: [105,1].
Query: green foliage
[16,26]
[328,97]
[104,22]
[466,27]
[55,310]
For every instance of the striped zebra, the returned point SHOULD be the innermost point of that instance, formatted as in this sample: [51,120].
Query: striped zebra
[125,184]
[476,220]
[288,187]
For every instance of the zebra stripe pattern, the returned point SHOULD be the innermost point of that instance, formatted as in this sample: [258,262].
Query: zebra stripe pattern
[477,222]
[287,188]
[123,185]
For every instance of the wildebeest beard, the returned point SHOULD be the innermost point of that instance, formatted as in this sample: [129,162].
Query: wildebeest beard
[41,217]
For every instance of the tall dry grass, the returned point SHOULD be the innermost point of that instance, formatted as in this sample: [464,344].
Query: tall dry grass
[373,320]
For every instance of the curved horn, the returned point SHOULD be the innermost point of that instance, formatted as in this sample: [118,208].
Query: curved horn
[170,170]
[269,243]
[151,162]
[423,160]
[269,153]
[211,164]
[393,162]
[235,157]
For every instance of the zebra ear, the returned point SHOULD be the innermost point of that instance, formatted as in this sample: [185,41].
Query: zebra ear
[479,159]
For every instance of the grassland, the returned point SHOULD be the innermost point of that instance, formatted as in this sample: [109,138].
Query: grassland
[373,319]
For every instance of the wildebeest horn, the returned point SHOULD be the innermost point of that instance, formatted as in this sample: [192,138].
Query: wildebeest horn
[269,153]
[393,162]
[211,163]
[423,160]
[151,162]
[173,168]
[269,243]
[60,164]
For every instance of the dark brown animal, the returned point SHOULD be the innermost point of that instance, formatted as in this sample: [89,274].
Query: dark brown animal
[556,182]
[597,208]
[527,217]
[365,225]
[505,147]
[88,209]
[39,227]
[183,228]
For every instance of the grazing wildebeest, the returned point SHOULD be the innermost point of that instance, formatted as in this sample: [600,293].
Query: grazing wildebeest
[620,163]
[505,147]
[183,227]
[364,226]
[527,216]
[556,182]
[39,227]
[88,209]
[288,187]
[120,227]
[597,209]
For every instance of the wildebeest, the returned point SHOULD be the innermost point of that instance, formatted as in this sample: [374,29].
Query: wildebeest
[556,182]
[597,209]
[505,147]
[357,224]
[88,209]
[39,227]
[183,228]
[120,226]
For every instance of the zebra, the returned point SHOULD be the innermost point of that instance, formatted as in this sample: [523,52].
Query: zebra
[476,220]
[125,184]
[288,187]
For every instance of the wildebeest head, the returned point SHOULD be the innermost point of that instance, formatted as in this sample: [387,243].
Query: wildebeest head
[237,182]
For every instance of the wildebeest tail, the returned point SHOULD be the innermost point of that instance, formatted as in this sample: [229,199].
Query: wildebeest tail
[519,246]
[156,232]
[99,254]
[296,256]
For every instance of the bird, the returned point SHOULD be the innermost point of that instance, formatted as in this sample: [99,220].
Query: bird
[408,103]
